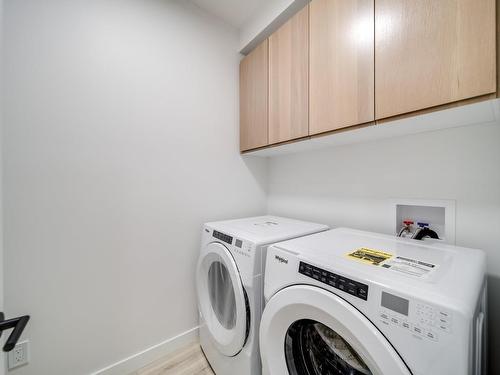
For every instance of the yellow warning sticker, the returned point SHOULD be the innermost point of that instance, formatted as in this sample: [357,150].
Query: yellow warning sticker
[369,256]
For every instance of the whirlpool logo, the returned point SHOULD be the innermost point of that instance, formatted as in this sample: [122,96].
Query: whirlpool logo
[280,259]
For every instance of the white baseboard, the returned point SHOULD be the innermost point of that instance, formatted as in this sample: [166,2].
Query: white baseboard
[145,357]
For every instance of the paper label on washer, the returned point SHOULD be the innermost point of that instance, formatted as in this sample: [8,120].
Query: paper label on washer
[409,266]
[369,256]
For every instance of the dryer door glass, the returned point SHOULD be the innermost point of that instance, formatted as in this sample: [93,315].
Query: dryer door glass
[313,348]
[221,292]
[222,301]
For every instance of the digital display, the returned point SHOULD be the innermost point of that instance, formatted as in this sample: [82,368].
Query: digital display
[395,303]
[238,243]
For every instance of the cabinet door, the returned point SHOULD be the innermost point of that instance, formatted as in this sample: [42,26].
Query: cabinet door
[341,64]
[289,79]
[254,98]
[430,52]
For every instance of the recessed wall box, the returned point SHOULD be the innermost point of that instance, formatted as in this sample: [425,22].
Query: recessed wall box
[439,214]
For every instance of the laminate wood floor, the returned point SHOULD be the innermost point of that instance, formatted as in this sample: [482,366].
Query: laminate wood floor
[186,361]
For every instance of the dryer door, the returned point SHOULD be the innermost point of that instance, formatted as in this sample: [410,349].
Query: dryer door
[221,298]
[308,330]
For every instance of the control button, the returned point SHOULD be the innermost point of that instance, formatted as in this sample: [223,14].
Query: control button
[362,293]
[405,324]
[395,320]
[323,279]
[444,328]
[444,322]
[305,269]
[431,335]
[332,282]
[427,313]
[351,289]
[425,321]
[418,330]
[316,273]
[384,317]
[444,315]
[341,284]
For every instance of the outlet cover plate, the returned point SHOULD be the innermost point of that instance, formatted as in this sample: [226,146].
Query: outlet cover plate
[18,356]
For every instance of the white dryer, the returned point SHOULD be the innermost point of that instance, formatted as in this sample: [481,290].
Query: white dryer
[351,302]
[230,287]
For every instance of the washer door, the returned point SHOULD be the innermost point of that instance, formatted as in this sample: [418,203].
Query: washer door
[221,299]
[308,330]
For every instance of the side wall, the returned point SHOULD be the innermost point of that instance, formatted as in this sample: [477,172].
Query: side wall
[120,140]
[2,358]
[354,186]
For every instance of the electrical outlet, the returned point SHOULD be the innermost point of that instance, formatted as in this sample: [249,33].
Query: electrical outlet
[19,355]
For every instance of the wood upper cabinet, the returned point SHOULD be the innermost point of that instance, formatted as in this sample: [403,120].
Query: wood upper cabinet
[254,98]
[289,79]
[341,64]
[432,52]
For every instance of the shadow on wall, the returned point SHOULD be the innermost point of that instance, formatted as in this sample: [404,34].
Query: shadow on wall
[493,324]
[259,171]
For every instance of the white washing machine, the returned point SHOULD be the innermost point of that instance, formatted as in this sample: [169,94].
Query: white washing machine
[230,288]
[351,302]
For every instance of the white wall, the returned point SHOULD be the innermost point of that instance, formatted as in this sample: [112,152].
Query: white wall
[267,20]
[354,186]
[120,140]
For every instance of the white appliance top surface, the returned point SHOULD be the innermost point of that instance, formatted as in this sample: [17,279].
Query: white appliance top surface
[266,229]
[457,275]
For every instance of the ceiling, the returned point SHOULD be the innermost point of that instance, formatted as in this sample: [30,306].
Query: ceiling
[234,12]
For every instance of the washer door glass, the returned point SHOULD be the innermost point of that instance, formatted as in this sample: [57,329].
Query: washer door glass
[312,348]
[221,292]
[306,330]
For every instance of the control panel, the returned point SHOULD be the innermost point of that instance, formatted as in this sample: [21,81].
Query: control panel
[352,287]
[421,320]
[241,247]
[223,237]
